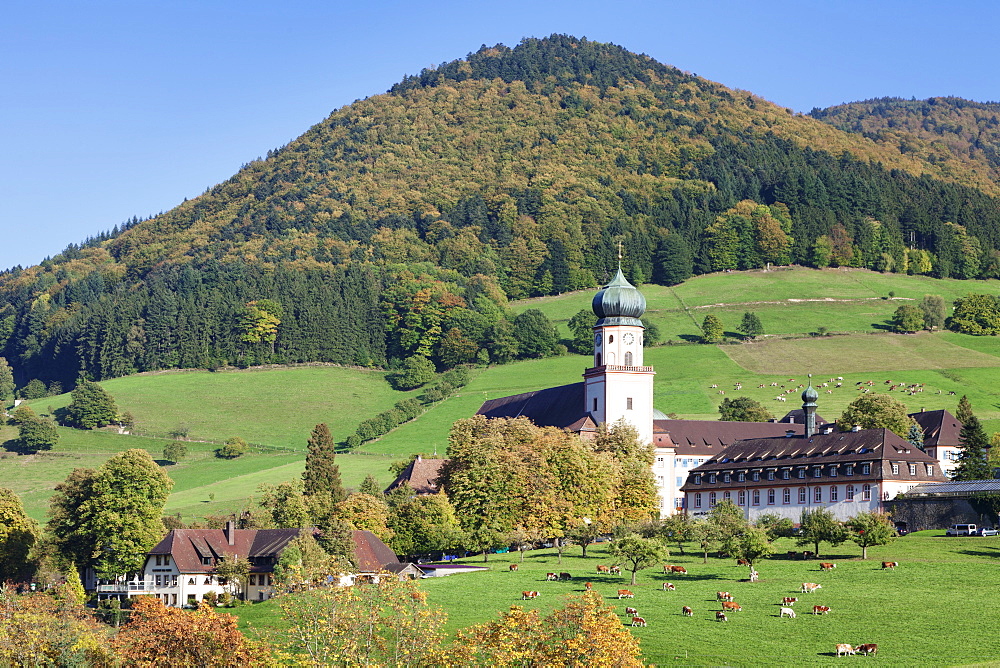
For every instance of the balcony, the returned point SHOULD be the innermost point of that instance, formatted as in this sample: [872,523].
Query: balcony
[618,367]
[124,587]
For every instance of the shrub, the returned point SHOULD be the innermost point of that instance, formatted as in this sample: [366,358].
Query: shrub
[234,447]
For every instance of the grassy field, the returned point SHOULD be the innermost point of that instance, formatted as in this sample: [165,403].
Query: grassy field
[916,613]
[278,407]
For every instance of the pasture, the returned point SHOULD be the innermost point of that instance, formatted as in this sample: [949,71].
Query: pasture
[934,609]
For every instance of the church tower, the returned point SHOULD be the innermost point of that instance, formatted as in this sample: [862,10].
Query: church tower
[618,385]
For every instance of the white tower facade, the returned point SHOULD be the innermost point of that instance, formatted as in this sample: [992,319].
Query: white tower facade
[618,385]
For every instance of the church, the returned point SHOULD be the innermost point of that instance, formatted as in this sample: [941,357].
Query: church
[618,386]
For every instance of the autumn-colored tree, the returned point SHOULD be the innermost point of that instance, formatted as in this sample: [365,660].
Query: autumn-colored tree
[234,570]
[384,623]
[18,535]
[366,513]
[259,322]
[584,632]
[871,528]
[160,636]
[712,330]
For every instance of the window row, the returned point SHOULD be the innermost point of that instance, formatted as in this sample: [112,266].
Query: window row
[770,495]
[783,474]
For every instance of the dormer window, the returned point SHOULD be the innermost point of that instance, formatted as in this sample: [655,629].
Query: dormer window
[725,477]
[711,477]
[930,469]
[697,479]
[770,475]
[206,561]
[833,471]
[850,470]
[913,469]
[817,472]
[741,477]
[802,473]
[895,468]
[866,469]
[755,476]
[786,474]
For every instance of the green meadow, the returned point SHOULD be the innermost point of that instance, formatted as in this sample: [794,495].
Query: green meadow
[275,408]
[933,610]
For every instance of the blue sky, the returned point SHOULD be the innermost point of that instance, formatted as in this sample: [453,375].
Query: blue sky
[115,109]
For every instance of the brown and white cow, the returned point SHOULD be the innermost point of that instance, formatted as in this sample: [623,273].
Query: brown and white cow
[787,612]
[723,596]
[731,605]
[625,593]
[686,611]
[679,570]
[631,611]
[809,587]
[789,600]
[602,568]
[891,565]
[525,595]
[667,586]
[843,649]
[867,648]
[638,621]
[616,570]
[827,566]
[666,568]
[806,554]
[551,576]
[512,568]
[720,616]
[589,586]
[821,609]
[742,562]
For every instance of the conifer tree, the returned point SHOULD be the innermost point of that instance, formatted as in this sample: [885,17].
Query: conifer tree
[972,464]
[751,326]
[322,475]
[91,406]
[6,382]
[964,410]
[370,486]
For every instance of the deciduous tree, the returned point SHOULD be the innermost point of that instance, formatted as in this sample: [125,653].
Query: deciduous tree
[908,319]
[869,529]
[91,406]
[7,386]
[876,411]
[18,535]
[637,553]
[820,526]
[37,433]
[711,329]
[743,409]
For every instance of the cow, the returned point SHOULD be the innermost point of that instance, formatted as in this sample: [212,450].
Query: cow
[754,575]
[589,586]
[723,596]
[867,648]
[680,570]
[565,576]
[891,565]
[826,566]
[720,616]
[687,612]
[525,595]
[742,562]
[625,593]
[638,621]
[602,569]
[821,609]
[667,586]
[844,649]
[789,600]
[809,587]
[551,576]
[792,554]
[631,611]
[731,605]
[512,568]
[808,555]
[616,570]
[787,612]
[666,568]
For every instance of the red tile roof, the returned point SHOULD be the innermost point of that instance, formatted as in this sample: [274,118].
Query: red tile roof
[187,547]
[421,474]
[371,553]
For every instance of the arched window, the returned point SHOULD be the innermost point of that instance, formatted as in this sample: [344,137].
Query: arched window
[598,359]
[628,359]
[611,338]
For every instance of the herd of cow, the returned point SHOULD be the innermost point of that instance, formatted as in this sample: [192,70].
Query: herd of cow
[724,597]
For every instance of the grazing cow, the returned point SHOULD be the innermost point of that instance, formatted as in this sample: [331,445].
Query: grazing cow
[787,612]
[844,649]
[731,605]
[565,576]
[867,648]
[806,554]
[742,562]
[625,593]
[687,612]
[723,596]
[616,570]
[754,575]
[789,600]
[821,609]
[809,587]
[666,568]
[669,587]
[589,586]
[891,565]
[551,576]
[720,616]
[826,566]
[631,611]
[512,568]
[792,553]
[680,570]
[525,595]
[638,621]
[602,569]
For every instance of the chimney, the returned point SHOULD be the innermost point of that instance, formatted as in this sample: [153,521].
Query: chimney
[856,427]
[791,419]
[789,433]
[828,429]
[231,532]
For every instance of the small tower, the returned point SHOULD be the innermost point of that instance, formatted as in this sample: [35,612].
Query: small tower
[809,397]
[618,385]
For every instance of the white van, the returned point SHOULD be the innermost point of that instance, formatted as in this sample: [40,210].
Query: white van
[962,530]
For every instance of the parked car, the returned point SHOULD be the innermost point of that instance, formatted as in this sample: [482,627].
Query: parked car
[962,530]
[987,531]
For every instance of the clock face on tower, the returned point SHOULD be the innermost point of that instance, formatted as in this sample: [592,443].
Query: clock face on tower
[628,338]
[598,338]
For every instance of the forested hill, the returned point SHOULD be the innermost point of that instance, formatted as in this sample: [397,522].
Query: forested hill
[400,224]
[957,135]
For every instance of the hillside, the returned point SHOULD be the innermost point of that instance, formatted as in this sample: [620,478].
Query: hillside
[276,408]
[402,223]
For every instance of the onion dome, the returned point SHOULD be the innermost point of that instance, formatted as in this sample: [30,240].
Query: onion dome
[809,395]
[619,303]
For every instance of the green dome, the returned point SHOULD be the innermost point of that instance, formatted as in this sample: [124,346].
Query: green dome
[810,395]
[619,303]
